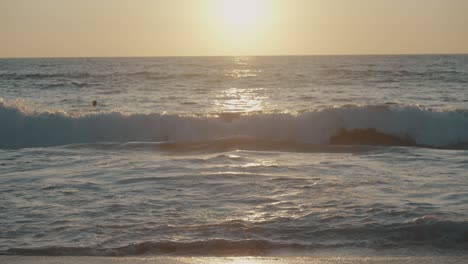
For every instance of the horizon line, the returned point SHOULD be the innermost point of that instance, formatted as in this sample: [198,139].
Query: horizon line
[219,56]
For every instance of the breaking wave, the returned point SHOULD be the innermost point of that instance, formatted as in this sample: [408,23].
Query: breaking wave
[387,124]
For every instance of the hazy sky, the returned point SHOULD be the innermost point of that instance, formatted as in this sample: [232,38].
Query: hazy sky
[70,28]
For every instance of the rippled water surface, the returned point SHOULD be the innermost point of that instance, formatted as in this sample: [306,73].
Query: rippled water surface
[235,84]
[234,156]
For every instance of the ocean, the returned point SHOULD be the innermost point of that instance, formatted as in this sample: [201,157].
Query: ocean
[234,156]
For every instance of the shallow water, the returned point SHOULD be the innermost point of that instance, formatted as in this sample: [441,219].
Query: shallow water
[233,156]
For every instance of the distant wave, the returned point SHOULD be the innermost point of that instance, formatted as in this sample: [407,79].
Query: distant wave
[448,75]
[153,75]
[387,124]
[164,76]
[40,76]
[422,233]
[453,75]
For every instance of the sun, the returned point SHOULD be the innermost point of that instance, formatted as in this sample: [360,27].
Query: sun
[241,14]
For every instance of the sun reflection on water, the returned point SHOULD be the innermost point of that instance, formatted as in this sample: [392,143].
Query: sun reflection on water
[237,96]
[241,60]
[243,73]
[240,100]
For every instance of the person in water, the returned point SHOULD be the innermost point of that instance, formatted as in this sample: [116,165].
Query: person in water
[94,103]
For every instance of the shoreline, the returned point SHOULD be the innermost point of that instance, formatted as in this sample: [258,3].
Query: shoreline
[231,260]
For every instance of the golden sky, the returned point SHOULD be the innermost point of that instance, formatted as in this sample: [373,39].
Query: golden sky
[94,28]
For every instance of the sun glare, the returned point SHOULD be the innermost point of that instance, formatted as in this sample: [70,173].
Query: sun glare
[241,14]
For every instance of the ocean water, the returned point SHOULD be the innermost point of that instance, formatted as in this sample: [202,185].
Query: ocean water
[228,156]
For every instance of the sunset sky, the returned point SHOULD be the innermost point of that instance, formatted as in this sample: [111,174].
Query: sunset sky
[76,28]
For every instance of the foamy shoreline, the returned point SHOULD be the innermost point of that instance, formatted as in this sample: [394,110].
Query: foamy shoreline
[228,260]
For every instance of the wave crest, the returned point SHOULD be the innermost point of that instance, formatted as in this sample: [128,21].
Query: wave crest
[350,125]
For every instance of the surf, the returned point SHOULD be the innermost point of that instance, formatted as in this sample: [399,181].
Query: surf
[386,124]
